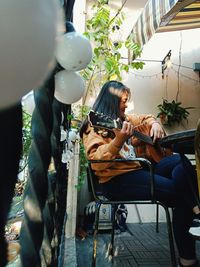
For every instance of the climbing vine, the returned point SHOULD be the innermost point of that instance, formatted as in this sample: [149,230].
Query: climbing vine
[27,139]
[107,62]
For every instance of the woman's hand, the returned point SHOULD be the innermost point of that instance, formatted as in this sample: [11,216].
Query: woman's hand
[121,135]
[157,131]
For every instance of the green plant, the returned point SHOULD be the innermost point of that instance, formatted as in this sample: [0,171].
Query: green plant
[172,111]
[26,140]
[107,63]
[83,167]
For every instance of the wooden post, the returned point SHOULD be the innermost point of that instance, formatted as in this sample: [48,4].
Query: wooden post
[70,227]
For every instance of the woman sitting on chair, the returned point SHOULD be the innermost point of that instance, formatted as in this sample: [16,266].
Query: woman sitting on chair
[128,179]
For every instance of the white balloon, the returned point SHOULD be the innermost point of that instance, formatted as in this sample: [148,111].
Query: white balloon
[69,86]
[28,33]
[28,103]
[74,51]
[64,158]
[63,135]
[72,136]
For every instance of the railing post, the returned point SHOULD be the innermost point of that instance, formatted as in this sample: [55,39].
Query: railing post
[10,144]
[71,208]
[36,190]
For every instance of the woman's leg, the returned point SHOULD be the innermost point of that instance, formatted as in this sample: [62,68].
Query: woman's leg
[135,185]
[179,169]
[182,218]
[183,173]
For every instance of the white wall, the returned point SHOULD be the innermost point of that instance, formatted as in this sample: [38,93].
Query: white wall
[149,88]
[144,213]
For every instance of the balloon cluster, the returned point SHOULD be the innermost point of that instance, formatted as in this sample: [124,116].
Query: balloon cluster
[74,52]
[28,31]
[71,137]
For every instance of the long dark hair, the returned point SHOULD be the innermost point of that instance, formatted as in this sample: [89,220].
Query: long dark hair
[108,101]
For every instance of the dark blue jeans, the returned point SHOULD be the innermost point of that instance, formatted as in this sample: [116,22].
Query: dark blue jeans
[175,186]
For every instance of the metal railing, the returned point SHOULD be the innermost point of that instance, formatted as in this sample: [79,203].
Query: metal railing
[45,192]
[10,144]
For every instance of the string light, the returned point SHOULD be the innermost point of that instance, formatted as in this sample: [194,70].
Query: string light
[158,74]
[146,76]
[166,64]
[185,76]
[182,66]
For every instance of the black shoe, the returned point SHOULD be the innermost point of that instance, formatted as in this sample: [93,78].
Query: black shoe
[195,228]
[196,264]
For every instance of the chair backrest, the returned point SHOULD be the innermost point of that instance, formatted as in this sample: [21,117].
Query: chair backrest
[93,185]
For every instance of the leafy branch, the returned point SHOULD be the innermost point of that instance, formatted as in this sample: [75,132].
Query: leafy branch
[26,140]
[107,63]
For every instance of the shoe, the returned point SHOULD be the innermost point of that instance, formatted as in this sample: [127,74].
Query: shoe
[195,228]
[196,264]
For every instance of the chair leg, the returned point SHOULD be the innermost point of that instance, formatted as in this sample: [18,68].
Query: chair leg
[170,237]
[111,247]
[157,218]
[96,225]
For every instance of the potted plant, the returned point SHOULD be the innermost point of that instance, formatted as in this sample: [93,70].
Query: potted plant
[172,112]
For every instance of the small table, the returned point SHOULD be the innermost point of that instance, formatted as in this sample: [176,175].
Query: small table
[180,142]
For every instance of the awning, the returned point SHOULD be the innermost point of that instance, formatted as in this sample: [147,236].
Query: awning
[166,15]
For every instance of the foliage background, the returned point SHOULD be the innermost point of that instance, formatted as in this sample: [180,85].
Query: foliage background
[103,31]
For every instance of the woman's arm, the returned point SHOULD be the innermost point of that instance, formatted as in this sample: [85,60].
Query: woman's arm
[147,121]
[156,131]
[102,148]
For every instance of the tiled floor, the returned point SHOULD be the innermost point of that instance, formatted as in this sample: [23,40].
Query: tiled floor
[144,248]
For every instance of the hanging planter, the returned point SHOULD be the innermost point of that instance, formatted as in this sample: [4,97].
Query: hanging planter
[172,112]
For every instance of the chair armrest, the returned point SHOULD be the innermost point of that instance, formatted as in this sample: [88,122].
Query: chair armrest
[121,160]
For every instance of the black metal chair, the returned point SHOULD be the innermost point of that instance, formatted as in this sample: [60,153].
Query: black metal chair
[99,201]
